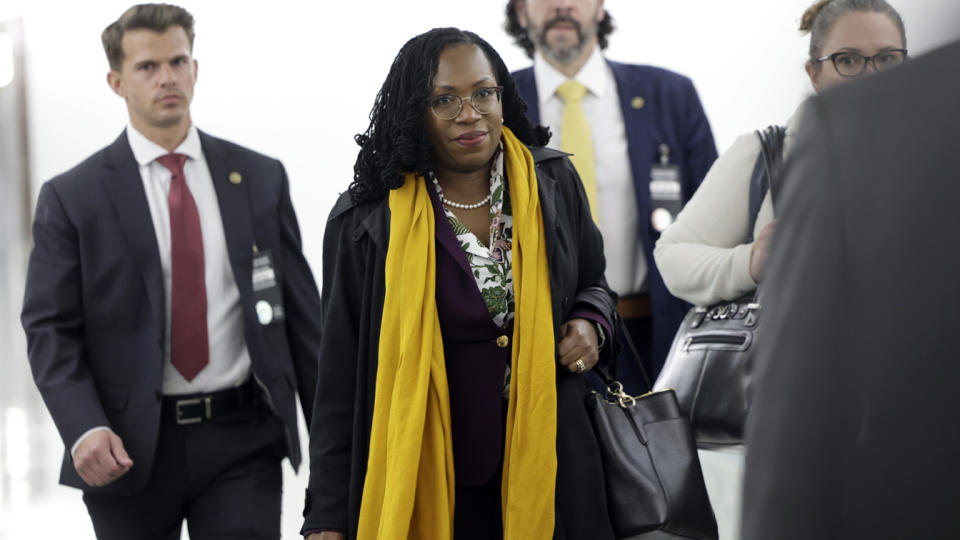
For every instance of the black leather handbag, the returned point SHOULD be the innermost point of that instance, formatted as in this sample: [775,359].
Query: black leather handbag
[710,364]
[655,487]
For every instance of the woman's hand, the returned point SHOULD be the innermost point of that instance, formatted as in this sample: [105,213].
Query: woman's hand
[760,251]
[327,535]
[578,345]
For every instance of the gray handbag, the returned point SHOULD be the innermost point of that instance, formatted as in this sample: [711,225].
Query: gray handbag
[710,363]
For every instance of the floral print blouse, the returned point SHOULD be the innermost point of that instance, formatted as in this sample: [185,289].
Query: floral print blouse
[492,265]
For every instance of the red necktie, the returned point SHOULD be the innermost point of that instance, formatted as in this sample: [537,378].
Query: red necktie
[189,348]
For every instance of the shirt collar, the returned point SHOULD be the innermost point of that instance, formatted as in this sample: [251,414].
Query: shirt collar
[146,151]
[595,75]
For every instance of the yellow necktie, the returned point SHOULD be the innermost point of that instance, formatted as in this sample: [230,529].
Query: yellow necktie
[576,139]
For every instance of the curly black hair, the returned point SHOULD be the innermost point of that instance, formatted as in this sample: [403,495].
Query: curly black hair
[396,141]
[522,38]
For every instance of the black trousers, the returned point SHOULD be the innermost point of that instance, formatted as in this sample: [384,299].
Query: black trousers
[478,515]
[223,476]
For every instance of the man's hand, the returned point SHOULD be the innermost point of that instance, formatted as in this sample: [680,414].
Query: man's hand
[327,535]
[578,343]
[101,459]
[760,251]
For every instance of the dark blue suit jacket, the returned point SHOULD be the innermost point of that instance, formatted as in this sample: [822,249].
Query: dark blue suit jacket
[93,309]
[670,113]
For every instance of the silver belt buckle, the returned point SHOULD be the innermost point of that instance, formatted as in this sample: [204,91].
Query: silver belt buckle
[204,412]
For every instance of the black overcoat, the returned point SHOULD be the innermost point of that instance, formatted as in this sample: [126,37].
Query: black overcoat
[354,259]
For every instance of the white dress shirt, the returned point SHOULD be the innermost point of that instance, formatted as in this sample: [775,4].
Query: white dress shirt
[616,196]
[229,362]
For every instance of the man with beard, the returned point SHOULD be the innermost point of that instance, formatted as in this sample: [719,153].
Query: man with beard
[171,317]
[640,141]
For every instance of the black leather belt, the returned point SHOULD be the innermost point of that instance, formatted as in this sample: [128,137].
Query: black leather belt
[184,409]
[635,307]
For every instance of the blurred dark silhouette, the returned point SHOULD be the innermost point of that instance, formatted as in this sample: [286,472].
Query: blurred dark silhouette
[855,431]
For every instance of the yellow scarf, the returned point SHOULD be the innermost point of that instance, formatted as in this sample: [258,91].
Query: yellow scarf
[409,486]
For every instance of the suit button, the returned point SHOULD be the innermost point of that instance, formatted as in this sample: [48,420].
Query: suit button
[503,341]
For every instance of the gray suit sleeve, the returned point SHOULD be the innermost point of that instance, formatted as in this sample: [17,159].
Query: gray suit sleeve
[302,301]
[52,318]
[795,423]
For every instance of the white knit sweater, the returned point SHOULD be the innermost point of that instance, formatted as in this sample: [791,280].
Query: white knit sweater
[704,257]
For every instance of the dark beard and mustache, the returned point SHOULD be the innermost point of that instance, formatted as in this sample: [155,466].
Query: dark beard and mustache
[561,55]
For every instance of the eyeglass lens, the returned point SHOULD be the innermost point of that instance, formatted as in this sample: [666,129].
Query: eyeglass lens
[448,106]
[852,64]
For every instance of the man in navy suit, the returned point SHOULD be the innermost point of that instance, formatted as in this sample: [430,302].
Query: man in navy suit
[649,147]
[171,317]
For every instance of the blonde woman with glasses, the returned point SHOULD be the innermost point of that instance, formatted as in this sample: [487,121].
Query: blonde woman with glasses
[716,250]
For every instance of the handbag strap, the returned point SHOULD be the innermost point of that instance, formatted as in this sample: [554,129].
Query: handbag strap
[766,172]
[614,387]
[771,142]
[766,175]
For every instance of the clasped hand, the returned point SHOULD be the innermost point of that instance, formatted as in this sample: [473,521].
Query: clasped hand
[578,341]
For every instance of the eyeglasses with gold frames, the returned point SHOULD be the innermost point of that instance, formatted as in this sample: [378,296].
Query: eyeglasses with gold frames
[483,100]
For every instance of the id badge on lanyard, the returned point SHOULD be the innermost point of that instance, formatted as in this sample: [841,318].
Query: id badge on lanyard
[666,197]
[267,299]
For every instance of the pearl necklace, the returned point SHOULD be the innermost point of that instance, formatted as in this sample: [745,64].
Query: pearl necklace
[461,206]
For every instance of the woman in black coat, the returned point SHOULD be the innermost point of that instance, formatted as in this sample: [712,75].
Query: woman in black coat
[452,405]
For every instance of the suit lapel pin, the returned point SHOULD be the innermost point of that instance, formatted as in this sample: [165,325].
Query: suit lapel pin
[235,178]
[637,102]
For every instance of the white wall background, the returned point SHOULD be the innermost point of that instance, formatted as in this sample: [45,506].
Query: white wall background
[296,80]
